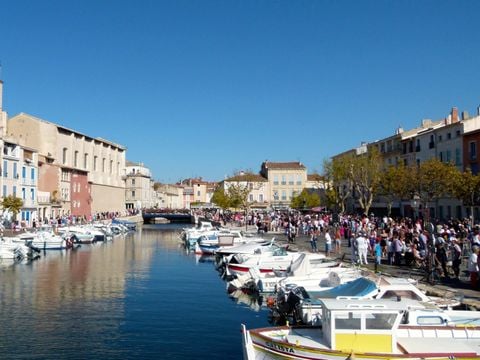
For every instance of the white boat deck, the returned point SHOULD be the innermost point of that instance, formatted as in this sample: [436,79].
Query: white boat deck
[308,337]
[425,345]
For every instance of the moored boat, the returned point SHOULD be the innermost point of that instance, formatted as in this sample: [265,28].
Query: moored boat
[365,329]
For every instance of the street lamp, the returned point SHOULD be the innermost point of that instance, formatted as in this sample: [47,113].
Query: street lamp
[415,203]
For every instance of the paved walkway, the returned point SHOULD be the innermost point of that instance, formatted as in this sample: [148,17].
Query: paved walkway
[448,288]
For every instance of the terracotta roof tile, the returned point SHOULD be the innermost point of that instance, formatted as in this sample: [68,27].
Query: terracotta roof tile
[284,165]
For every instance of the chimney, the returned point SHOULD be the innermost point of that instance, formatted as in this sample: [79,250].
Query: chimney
[454,115]
[465,115]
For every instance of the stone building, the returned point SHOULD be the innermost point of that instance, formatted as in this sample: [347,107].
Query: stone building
[139,192]
[285,180]
[81,173]
[259,195]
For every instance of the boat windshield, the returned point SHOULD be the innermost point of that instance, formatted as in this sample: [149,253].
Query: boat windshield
[279,251]
[378,321]
[373,321]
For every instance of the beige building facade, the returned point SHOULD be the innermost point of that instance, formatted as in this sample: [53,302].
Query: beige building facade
[73,153]
[139,192]
[285,180]
[259,189]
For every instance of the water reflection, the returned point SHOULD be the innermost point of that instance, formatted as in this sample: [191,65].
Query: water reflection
[125,299]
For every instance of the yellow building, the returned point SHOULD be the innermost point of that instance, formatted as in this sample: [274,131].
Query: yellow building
[285,180]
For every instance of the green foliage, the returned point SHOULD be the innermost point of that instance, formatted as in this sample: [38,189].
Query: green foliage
[12,204]
[305,199]
[394,184]
[365,176]
[238,196]
[220,198]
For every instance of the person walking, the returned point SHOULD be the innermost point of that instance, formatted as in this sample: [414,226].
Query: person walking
[456,257]
[472,267]
[378,254]
[361,245]
[313,240]
[328,243]
[338,241]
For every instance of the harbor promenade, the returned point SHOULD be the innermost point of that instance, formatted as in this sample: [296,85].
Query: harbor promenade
[445,288]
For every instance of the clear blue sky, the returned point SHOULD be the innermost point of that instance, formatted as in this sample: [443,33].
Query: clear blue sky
[205,88]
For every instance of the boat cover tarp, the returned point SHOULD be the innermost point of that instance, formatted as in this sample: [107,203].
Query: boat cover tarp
[361,287]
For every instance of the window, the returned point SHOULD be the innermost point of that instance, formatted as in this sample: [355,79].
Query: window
[449,156]
[118,167]
[457,157]
[290,180]
[417,147]
[133,193]
[473,150]
[32,174]
[284,195]
[64,156]
[348,321]
[103,164]
[250,198]
[111,166]
[24,172]
[94,163]
[75,159]
[275,195]
[449,136]
[5,167]
[133,182]
[457,133]
[284,180]
[440,156]
[4,190]
[380,321]
[299,179]
[439,138]
[260,197]
[14,192]
[275,179]
[431,144]
[85,161]
[32,194]
[15,171]
[23,194]
[198,193]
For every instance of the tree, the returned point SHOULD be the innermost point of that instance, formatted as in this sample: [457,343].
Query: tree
[466,187]
[430,181]
[394,184]
[220,198]
[364,172]
[238,196]
[339,185]
[12,204]
[305,199]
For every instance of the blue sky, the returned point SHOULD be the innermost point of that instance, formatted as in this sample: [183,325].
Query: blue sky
[207,88]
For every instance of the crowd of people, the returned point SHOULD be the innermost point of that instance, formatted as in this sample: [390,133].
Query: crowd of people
[438,246]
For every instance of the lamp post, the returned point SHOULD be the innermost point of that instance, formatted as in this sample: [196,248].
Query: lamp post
[415,203]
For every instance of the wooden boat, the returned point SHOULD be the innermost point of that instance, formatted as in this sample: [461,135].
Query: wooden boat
[366,329]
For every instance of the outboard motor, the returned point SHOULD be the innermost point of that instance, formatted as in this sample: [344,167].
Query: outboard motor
[289,298]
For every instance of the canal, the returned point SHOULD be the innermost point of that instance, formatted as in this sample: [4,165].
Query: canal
[141,296]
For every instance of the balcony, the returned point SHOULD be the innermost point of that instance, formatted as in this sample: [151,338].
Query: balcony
[43,197]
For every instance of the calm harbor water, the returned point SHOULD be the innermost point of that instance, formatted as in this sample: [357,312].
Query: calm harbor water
[138,297]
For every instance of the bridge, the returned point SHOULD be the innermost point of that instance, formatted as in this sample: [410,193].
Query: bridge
[149,217]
